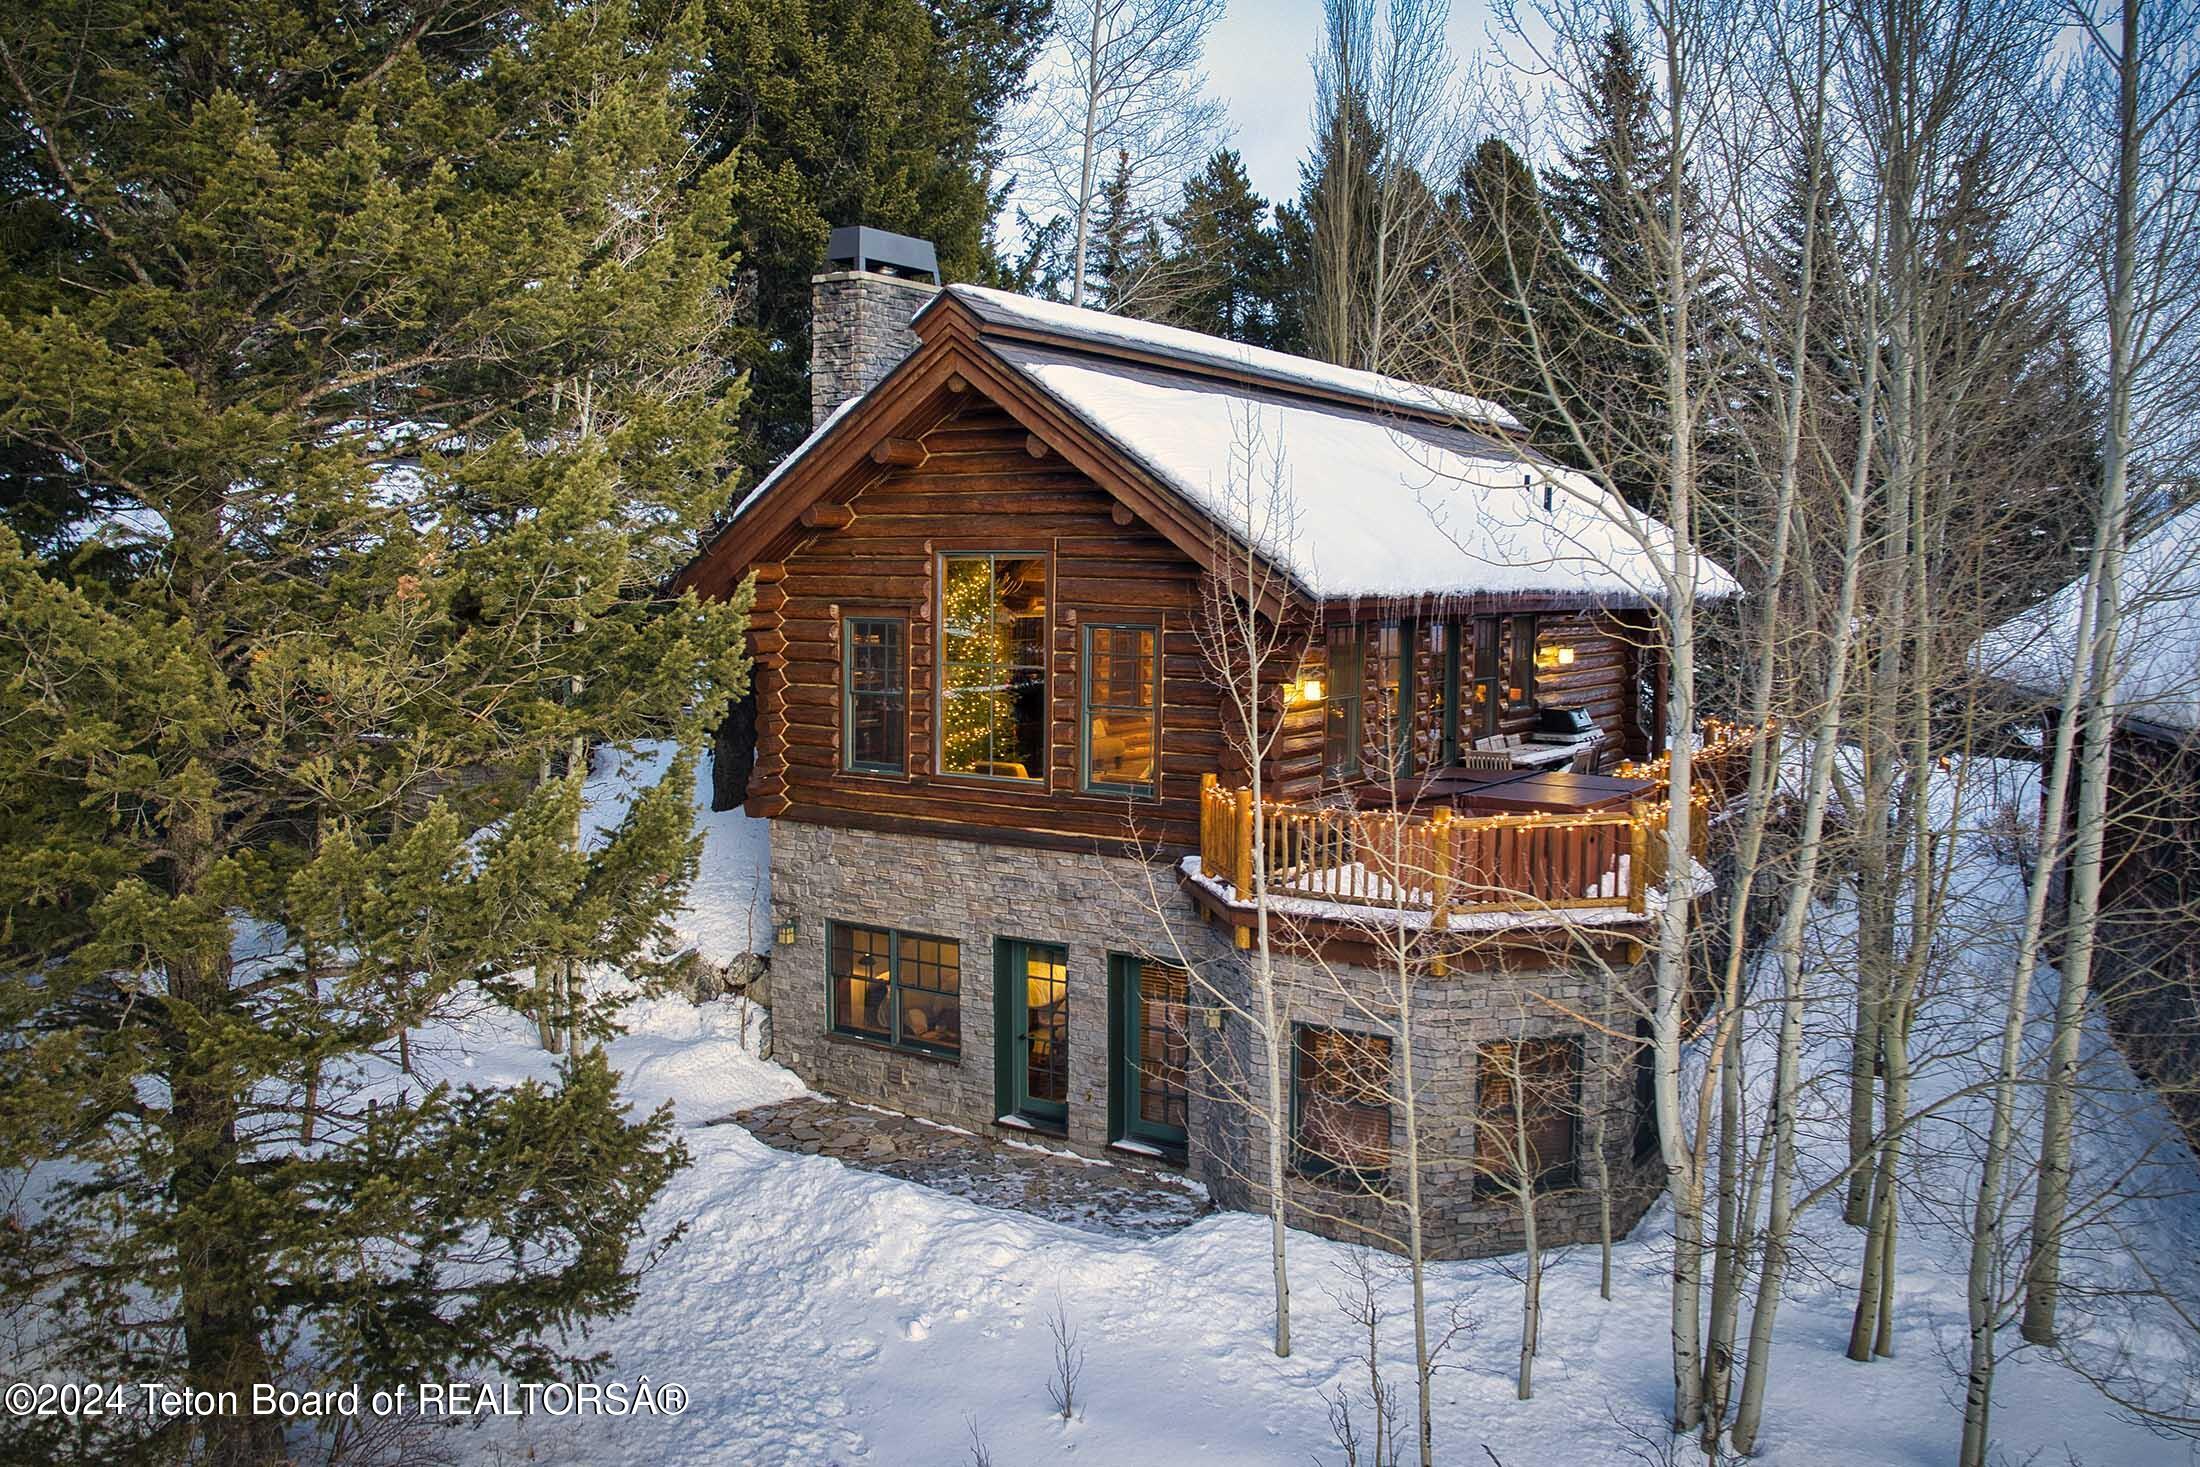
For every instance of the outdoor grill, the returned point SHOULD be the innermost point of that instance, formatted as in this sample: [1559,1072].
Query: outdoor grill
[1564,726]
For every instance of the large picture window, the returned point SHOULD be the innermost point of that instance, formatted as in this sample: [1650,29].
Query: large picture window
[899,988]
[875,692]
[1149,1034]
[993,666]
[1122,688]
[1526,1112]
[1341,1102]
[1341,747]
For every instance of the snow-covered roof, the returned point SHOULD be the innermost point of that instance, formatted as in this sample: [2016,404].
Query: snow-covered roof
[2157,639]
[1197,348]
[1385,488]
[1370,504]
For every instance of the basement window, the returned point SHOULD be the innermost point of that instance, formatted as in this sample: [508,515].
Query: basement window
[1528,1113]
[898,988]
[1340,1103]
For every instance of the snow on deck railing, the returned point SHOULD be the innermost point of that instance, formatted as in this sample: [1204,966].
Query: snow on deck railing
[1441,863]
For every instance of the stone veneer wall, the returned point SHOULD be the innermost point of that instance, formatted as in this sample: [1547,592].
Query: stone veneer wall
[1095,905]
[859,331]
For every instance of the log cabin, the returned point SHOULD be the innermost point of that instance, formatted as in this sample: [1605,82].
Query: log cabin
[1082,645]
[2146,964]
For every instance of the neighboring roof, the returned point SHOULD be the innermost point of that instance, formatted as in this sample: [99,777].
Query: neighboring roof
[1394,490]
[1378,505]
[2157,639]
[999,308]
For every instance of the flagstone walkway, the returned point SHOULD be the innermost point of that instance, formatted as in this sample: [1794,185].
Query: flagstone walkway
[1034,1176]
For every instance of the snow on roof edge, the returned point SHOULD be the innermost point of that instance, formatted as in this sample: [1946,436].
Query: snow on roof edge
[1282,368]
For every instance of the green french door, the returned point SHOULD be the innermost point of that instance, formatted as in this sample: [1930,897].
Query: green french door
[1031,1023]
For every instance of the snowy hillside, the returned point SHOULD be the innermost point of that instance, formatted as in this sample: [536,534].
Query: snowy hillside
[824,1315]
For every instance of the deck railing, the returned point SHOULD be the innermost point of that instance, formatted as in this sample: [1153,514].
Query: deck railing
[1718,763]
[1441,863]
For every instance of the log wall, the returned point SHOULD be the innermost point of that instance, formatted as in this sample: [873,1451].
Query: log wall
[985,483]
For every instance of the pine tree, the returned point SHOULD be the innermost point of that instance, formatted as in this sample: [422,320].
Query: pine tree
[1226,256]
[1608,197]
[379,357]
[833,112]
[1502,282]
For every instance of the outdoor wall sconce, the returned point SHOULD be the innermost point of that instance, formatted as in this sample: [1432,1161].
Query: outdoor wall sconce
[788,929]
[1554,657]
[1307,690]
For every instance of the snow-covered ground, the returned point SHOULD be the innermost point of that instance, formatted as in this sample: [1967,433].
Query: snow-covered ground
[729,904]
[820,1314]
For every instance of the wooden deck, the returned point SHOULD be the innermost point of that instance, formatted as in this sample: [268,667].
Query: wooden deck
[1466,842]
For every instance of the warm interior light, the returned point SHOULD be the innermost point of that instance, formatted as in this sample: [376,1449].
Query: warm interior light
[1310,690]
[1554,657]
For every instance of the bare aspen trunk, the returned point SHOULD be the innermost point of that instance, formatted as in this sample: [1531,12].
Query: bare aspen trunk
[2051,1199]
[1787,1077]
[1986,1210]
[1088,155]
[1684,1183]
[1423,1367]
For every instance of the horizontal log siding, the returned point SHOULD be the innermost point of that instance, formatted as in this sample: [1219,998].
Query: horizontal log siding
[980,488]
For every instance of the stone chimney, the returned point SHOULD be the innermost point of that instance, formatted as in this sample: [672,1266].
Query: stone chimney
[860,306]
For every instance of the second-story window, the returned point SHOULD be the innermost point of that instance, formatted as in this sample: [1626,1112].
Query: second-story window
[1488,681]
[993,666]
[1520,676]
[874,654]
[1122,709]
[1387,700]
[1443,661]
[1341,747]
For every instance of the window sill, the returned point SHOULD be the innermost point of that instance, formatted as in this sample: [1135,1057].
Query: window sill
[1153,1151]
[907,1051]
[1016,1121]
[1348,1181]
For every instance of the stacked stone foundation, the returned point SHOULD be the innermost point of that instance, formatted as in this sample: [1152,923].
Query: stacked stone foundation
[1095,906]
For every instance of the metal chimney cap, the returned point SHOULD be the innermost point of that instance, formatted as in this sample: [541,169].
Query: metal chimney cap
[855,247]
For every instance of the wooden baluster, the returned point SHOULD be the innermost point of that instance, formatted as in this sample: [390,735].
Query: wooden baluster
[1243,825]
[1207,824]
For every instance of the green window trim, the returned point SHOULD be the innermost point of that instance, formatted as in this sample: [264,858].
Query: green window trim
[1089,707]
[1394,651]
[1347,674]
[930,969]
[890,698]
[1520,676]
[1012,1057]
[1126,1069]
[1489,674]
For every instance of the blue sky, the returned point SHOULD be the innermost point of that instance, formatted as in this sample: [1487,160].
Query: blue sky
[1260,64]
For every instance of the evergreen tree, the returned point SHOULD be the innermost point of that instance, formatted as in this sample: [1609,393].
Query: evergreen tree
[877,112]
[1119,262]
[1503,281]
[1610,198]
[1226,257]
[379,351]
